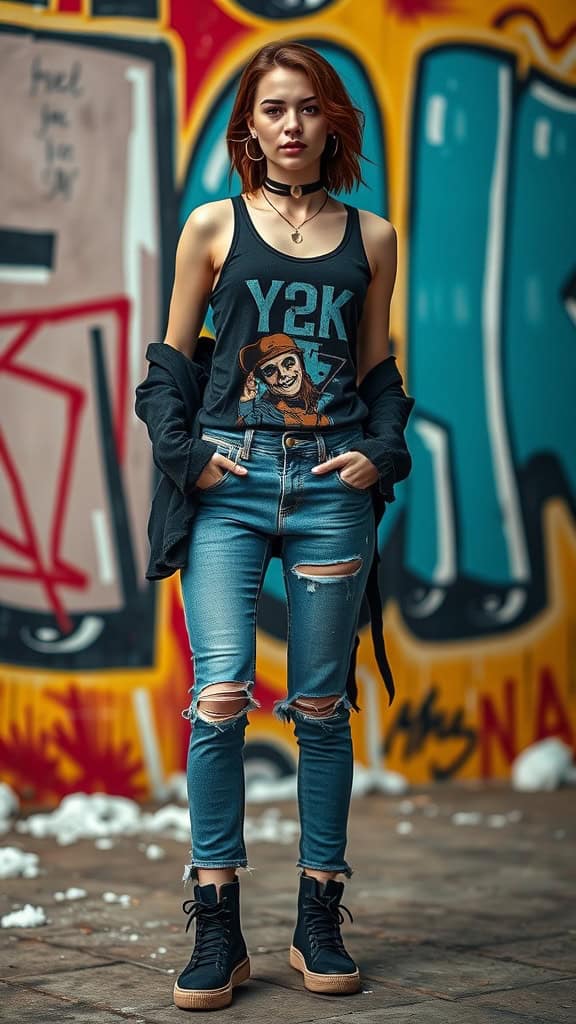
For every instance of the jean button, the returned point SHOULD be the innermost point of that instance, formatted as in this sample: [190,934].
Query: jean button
[290,442]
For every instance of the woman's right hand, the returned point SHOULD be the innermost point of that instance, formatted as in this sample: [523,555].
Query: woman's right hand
[215,469]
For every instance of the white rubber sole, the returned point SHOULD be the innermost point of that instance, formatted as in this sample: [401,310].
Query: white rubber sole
[211,998]
[329,984]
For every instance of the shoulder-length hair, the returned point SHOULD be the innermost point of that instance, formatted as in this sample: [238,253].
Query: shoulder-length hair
[339,172]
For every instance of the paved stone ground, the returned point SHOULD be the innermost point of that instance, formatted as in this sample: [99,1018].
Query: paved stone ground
[471,923]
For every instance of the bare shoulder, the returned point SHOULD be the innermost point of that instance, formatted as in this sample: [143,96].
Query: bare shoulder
[206,222]
[379,237]
[375,225]
[211,216]
[377,230]
[204,228]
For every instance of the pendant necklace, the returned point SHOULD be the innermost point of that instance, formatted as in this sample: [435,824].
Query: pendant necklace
[296,236]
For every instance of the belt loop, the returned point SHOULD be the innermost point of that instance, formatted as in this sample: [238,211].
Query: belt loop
[247,443]
[321,444]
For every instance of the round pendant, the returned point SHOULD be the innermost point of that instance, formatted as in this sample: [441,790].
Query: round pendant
[296,191]
[296,237]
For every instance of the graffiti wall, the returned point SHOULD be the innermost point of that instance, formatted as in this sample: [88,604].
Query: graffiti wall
[112,129]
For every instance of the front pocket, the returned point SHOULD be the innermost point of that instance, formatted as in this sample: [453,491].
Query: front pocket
[218,483]
[230,452]
[331,454]
[350,487]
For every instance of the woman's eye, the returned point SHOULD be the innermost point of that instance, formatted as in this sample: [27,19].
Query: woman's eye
[274,111]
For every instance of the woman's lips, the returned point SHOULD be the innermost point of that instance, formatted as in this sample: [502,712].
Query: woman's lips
[293,149]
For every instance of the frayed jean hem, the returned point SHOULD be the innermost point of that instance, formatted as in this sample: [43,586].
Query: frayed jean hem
[344,869]
[191,870]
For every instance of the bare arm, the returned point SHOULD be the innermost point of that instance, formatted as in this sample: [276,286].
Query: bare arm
[357,467]
[380,241]
[194,274]
[189,462]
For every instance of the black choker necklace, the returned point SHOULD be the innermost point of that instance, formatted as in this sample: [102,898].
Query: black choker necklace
[281,189]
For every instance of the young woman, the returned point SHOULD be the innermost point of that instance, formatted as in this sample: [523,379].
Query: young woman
[298,429]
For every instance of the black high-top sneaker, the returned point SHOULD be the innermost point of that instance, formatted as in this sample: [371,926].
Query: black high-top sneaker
[317,949]
[219,960]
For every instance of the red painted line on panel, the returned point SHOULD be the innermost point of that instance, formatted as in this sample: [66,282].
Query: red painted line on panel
[119,306]
[31,321]
[42,575]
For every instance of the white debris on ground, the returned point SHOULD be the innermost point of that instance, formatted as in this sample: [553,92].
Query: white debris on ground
[70,894]
[467,818]
[270,827]
[9,802]
[28,917]
[261,791]
[406,807]
[365,780]
[102,818]
[104,843]
[377,780]
[404,828]
[497,820]
[514,816]
[112,897]
[85,816]
[105,818]
[9,805]
[492,820]
[99,816]
[82,816]
[543,766]
[15,863]
[170,820]
[154,852]
[422,803]
[177,787]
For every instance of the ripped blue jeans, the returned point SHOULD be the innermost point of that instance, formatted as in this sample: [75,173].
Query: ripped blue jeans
[322,520]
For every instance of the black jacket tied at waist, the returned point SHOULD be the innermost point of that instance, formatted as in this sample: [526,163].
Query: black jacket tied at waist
[169,400]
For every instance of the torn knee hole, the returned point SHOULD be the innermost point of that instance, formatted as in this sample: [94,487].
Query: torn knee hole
[317,707]
[223,701]
[348,568]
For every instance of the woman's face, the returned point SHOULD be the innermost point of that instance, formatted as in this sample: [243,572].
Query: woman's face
[282,375]
[286,110]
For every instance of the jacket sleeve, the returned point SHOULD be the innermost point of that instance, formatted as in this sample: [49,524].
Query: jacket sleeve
[175,451]
[389,408]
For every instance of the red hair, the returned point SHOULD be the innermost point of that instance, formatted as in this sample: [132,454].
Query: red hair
[340,172]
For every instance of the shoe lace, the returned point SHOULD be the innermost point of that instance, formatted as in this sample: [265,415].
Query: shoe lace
[212,930]
[325,926]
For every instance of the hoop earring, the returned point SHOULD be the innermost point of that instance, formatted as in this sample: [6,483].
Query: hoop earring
[254,159]
[336,140]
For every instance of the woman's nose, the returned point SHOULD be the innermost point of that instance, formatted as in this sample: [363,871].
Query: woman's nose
[292,123]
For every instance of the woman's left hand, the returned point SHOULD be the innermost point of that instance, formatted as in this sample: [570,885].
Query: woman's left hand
[355,469]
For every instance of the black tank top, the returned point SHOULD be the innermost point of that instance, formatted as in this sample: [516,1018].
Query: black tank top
[286,327]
